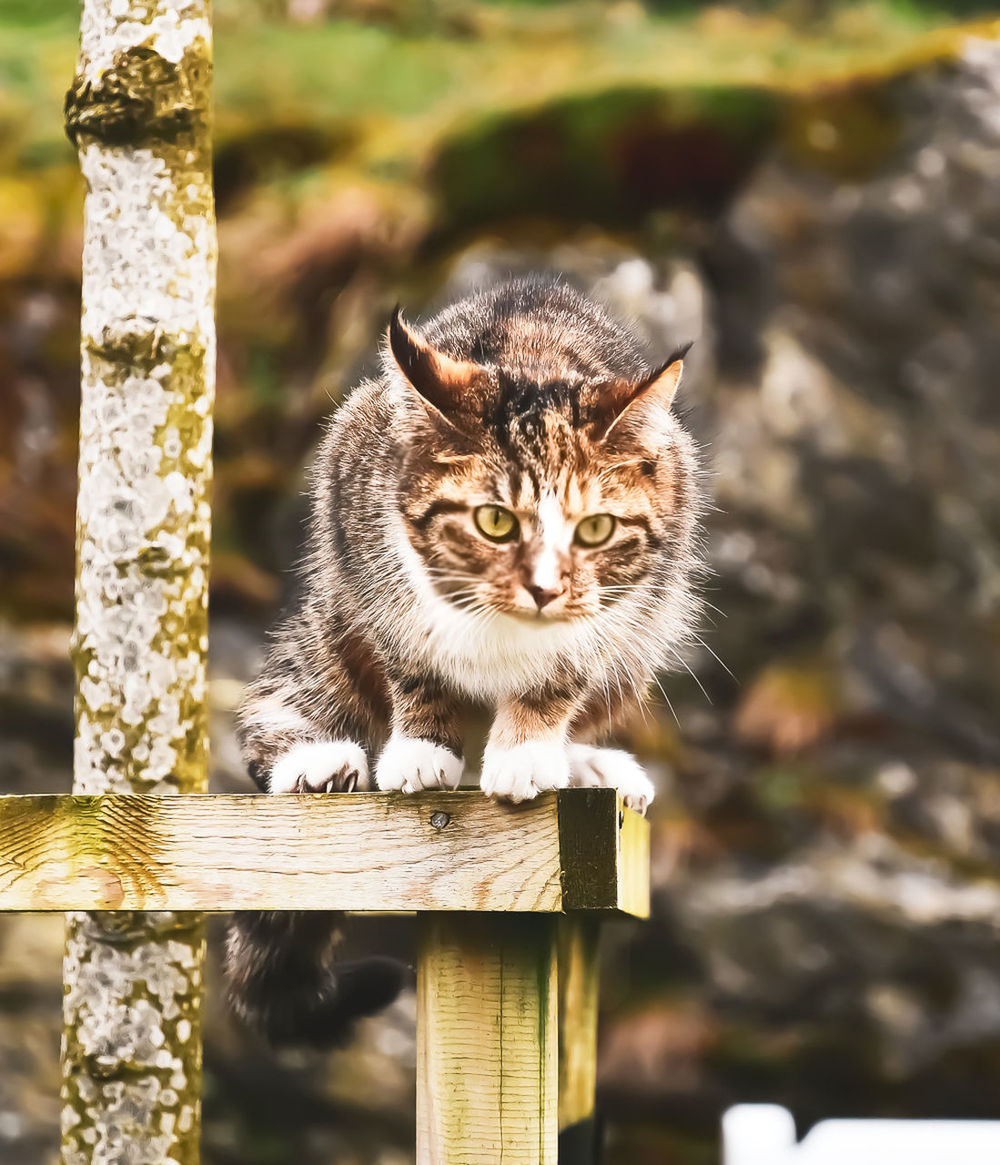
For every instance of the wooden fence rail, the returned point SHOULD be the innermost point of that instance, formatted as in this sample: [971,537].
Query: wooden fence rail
[509,899]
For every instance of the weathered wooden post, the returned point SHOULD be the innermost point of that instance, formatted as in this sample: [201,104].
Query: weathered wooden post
[507,1005]
[579,987]
[487,1040]
[507,1039]
[138,111]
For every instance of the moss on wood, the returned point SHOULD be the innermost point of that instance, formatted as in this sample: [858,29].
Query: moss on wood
[143,98]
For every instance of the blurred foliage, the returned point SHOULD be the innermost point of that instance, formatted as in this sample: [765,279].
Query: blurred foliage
[428,72]
[371,137]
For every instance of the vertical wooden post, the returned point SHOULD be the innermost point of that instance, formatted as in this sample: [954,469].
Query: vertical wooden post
[139,112]
[487,1065]
[579,973]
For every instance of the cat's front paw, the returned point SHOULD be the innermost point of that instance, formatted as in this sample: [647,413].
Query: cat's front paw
[610,768]
[323,766]
[522,772]
[409,764]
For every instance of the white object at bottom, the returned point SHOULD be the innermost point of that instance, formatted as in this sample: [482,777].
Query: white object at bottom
[764,1134]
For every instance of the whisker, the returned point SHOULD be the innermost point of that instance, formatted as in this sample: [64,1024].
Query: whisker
[698,639]
[687,667]
[656,680]
[642,698]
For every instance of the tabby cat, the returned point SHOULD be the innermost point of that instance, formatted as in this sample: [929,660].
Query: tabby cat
[506,516]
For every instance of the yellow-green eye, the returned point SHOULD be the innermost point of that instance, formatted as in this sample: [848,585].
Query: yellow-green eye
[594,530]
[496,523]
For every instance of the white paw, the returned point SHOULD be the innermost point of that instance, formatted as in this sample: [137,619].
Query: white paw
[324,766]
[524,771]
[410,764]
[610,768]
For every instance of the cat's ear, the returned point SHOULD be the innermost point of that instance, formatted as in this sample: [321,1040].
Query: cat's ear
[452,387]
[621,397]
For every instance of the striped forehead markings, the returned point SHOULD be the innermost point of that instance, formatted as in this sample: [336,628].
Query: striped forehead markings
[441,506]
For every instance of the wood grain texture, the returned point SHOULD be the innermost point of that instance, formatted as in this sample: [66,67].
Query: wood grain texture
[487,1066]
[632,863]
[363,852]
[579,978]
[604,851]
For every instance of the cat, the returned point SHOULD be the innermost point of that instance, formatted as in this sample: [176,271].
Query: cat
[506,516]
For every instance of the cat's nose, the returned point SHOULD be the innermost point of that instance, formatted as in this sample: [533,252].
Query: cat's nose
[544,595]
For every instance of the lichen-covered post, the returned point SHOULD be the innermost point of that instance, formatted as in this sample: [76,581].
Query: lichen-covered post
[138,111]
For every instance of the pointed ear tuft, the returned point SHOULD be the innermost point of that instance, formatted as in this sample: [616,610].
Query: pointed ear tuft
[448,385]
[614,400]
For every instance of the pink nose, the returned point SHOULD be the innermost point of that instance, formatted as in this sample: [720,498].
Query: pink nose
[543,595]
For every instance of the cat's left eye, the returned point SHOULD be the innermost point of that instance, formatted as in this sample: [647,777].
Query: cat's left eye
[496,523]
[594,530]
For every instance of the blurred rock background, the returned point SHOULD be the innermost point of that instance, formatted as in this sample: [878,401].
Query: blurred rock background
[813,190]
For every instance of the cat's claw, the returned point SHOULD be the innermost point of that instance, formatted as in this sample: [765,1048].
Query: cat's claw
[324,766]
[409,764]
[522,772]
[610,768]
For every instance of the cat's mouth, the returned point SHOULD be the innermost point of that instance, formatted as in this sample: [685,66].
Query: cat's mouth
[472,603]
[539,618]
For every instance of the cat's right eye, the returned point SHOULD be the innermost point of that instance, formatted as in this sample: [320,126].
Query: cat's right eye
[496,523]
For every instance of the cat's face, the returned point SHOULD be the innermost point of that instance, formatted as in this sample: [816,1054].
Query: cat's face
[536,503]
[550,540]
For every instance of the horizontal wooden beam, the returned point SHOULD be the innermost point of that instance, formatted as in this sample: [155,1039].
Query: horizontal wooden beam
[573,850]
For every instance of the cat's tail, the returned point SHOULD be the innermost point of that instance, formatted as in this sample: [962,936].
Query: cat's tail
[284,983]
